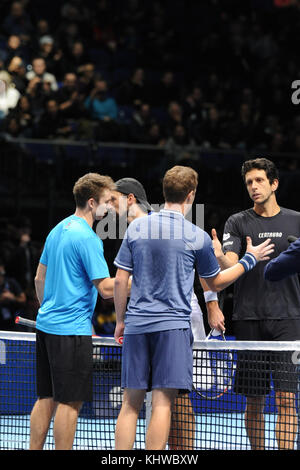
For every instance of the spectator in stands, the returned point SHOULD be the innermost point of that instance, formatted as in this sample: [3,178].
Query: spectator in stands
[133,91]
[179,136]
[77,57]
[241,129]
[100,105]
[165,91]
[70,102]
[46,50]
[9,95]
[177,143]
[103,108]
[18,22]
[52,124]
[212,133]
[42,28]
[24,259]
[154,135]
[193,106]
[278,143]
[68,33]
[39,70]
[140,124]
[15,48]
[17,70]
[175,117]
[86,78]
[22,117]
[265,129]
[38,93]
[11,128]
[12,299]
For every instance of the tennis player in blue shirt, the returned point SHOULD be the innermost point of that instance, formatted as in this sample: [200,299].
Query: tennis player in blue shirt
[160,252]
[71,272]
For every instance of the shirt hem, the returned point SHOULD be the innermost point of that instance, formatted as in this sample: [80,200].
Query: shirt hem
[62,333]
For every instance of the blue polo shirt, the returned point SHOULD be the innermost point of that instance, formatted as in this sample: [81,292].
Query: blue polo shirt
[162,251]
[73,254]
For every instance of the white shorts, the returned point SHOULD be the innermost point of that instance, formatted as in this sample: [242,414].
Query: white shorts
[197,324]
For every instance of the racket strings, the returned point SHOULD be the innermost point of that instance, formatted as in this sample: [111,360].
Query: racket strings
[213,373]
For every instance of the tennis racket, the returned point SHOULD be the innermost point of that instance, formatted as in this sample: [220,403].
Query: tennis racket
[32,324]
[25,322]
[213,370]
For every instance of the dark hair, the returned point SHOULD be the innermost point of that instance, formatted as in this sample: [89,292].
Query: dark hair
[178,182]
[261,164]
[90,186]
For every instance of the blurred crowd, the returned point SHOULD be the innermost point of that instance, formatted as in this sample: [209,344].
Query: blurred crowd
[214,74]
[19,256]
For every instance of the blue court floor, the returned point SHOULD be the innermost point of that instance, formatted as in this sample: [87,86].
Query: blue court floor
[216,432]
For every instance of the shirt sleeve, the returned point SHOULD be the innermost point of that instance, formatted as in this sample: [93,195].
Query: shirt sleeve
[231,237]
[124,257]
[92,257]
[206,261]
[44,255]
[284,265]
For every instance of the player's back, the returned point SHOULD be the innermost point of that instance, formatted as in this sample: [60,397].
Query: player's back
[161,250]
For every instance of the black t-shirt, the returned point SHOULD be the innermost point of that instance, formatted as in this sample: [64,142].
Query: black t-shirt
[254,297]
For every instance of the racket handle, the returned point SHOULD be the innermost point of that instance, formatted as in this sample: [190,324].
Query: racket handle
[120,340]
[25,322]
[219,333]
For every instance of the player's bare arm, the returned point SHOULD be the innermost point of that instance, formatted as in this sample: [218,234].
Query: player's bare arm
[105,287]
[215,315]
[39,281]
[225,260]
[228,276]
[120,299]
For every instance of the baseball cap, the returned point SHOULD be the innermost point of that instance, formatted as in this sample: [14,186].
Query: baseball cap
[132,186]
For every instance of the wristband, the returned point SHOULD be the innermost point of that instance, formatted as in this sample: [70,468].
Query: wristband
[210,296]
[248,261]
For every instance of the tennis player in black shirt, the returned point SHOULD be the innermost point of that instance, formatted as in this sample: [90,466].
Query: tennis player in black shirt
[263,310]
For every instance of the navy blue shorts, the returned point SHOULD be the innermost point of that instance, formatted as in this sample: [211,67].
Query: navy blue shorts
[163,359]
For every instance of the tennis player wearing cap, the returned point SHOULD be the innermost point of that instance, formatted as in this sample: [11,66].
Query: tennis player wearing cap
[72,270]
[130,199]
[161,251]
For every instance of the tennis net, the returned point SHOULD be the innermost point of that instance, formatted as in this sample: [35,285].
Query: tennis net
[213,416]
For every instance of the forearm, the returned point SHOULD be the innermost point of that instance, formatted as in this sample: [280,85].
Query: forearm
[39,289]
[226,278]
[120,299]
[215,315]
[106,288]
[225,261]
[286,264]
